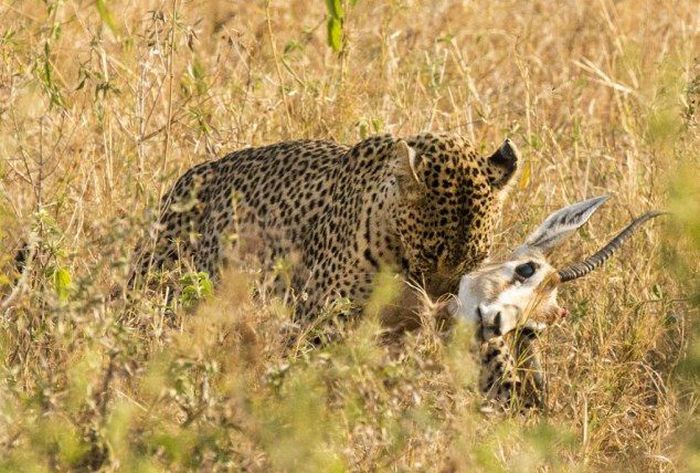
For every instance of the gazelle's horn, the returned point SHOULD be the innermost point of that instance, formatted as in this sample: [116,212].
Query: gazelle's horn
[584,267]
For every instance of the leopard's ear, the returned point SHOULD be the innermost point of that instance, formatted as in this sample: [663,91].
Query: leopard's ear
[502,165]
[407,167]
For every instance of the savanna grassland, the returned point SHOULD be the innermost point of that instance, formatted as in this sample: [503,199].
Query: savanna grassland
[103,105]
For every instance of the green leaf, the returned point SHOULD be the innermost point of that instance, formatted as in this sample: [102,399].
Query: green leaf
[61,283]
[292,46]
[335,9]
[195,287]
[525,176]
[377,125]
[364,129]
[106,16]
[335,34]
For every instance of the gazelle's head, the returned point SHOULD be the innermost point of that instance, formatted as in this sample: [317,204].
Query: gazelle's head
[521,291]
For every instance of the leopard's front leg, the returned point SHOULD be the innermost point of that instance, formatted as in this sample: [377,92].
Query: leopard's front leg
[498,378]
[511,370]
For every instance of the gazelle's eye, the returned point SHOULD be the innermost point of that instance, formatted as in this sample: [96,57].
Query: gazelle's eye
[525,270]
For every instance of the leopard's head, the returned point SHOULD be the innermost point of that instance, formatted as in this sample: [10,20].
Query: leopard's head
[449,200]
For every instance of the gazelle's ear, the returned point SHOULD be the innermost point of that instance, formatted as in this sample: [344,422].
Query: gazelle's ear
[562,224]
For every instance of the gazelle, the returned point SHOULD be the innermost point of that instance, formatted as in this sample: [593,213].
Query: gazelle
[519,294]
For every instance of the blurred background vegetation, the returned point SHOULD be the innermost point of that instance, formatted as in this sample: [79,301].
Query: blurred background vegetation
[103,104]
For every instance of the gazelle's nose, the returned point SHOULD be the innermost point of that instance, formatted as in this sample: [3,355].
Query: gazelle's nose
[556,313]
[496,319]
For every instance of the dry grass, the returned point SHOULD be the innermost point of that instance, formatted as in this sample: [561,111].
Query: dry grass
[100,113]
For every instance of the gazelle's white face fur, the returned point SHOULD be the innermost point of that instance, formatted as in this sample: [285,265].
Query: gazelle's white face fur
[522,289]
[498,297]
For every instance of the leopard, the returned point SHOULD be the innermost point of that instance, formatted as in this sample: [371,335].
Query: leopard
[424,206]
